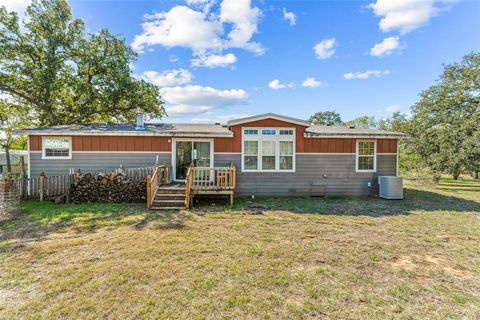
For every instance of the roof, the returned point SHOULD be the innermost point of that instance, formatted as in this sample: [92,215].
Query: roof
[268,116]
[14,156]
[151,129]
[205,130]
[345,131]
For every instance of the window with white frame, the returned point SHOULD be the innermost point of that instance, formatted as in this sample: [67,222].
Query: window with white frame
[366,156]
[57,147]
[266,149]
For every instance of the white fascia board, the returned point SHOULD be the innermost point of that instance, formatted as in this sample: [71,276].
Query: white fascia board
[268,116]
[357,136]
[126,133]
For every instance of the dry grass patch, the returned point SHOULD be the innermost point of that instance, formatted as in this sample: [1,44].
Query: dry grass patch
[345,258]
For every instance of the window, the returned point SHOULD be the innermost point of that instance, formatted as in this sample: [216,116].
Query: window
[268,155]
[269,132]
[366,156]
[57,148]
[250,131]
[286,132]
[272,150]
[286,155]
[250,150]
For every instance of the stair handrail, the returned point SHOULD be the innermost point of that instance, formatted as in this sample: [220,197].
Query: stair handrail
[188,185]
[159,177]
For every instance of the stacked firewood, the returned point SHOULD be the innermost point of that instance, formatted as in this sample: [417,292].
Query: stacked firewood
[106,187]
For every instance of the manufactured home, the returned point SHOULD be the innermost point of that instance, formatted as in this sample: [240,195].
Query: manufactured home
[273,155]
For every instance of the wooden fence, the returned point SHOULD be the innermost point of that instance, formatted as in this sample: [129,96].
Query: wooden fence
[43,186]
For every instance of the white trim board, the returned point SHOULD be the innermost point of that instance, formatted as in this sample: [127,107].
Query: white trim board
[69,157]
[125,133]
[374,155]
[174,153]
[265,116]
[277,138]
[354,136]
[326,153]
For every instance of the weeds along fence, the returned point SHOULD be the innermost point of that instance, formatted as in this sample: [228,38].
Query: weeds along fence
[43,186]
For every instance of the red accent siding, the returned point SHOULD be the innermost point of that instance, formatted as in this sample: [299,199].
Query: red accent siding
[152,144]
[111,143]
[35,143]
[387,146]
[329,145]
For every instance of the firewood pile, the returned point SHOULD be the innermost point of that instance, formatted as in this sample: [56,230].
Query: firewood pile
[106,187]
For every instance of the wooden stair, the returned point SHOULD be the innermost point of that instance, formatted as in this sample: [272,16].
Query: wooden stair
[169,197]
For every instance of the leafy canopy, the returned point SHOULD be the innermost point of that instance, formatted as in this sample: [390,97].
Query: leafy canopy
[446,120]
[64,76]
[325,118]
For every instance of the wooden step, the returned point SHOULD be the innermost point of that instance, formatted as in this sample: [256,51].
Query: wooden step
[169,203]
[167,208]
[171,190]
[170,196]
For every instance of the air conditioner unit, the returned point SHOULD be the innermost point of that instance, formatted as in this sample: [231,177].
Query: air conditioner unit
[391,187]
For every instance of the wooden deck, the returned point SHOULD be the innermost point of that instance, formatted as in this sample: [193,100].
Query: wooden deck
[165,194]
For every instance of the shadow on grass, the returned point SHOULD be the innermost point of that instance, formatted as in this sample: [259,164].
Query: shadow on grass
[36,219]
[414,200]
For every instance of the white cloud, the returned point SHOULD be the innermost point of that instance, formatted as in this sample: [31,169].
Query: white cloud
[202,31]
[366,74]
[198,99]
[290,17]
[243,19]
[168,78]
[179,27]
[276,85]
[325,49]
[18,6]
[393,108]
[311,82]
[386,47]
[204,5]
[213,60]
[407,15]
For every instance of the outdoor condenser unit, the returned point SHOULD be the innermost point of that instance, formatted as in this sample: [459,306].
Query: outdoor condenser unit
[391,187]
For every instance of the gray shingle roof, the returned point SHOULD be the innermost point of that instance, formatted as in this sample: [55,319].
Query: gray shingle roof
[349,131]
[160,129]
[194,129]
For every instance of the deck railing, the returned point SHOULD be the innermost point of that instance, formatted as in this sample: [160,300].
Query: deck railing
[188,186]
[160,176]
[216,178]
[209,180]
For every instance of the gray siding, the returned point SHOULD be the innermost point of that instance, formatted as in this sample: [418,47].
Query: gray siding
[94,161]
[329,175]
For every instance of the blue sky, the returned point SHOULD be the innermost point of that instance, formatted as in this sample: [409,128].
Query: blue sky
[220,59]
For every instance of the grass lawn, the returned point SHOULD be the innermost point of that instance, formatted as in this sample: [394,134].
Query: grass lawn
[292,258]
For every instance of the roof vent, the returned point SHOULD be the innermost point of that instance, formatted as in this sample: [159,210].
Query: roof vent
[140,125]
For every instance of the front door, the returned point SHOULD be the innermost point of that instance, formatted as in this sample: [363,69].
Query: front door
[186,152]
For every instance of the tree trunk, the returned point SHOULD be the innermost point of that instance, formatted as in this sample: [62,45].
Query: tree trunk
[477,175]
[7,157]
[455,175]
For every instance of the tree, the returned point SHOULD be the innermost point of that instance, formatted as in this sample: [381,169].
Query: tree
[325,118]
[65,76]
[364,122]
[398,122]
[445,122]
[11,117]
